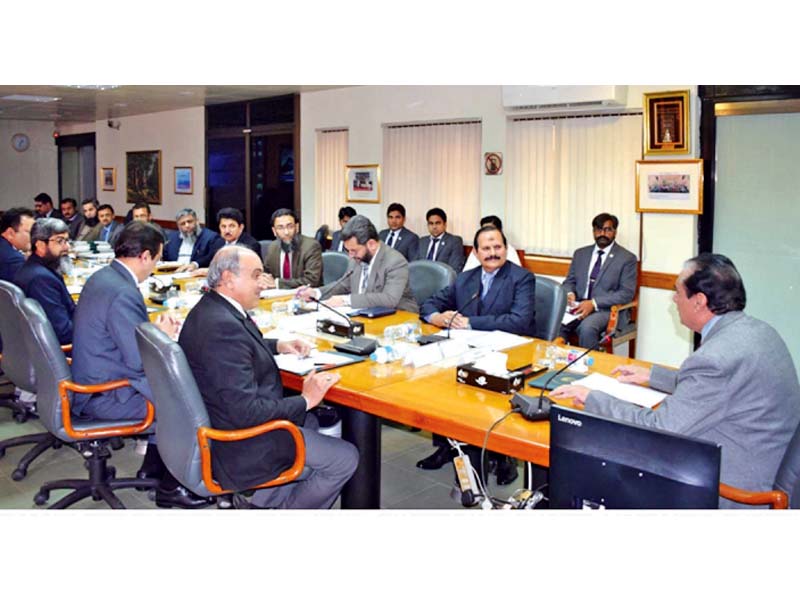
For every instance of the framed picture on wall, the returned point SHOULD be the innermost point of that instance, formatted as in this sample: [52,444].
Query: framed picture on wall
[143,176]
[493,163]
[669,186]
[363,183]
[108,179]
[184,181]
[666,123]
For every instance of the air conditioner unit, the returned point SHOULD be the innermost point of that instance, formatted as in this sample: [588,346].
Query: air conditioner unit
[563,98]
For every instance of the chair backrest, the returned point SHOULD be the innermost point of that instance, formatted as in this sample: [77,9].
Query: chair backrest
[426,277]
[180,410]
[322,236]
[49,363]
[16,362]
[264,247]
[551,301]
[334,265]
[788,477]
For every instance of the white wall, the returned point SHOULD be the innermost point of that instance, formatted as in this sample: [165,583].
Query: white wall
[25,174]
[668,239]
[179,134]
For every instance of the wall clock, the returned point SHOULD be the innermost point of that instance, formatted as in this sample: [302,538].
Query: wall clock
[20,142]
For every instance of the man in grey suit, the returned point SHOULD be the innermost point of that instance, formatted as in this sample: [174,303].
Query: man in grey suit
[292,259]
[405,241]
[739,389]
[440,245]
[599,276]
[376,276]
[345,214]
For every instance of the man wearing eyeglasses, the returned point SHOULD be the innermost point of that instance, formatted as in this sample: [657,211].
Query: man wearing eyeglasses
[292,259]
[41,280]
[600,276]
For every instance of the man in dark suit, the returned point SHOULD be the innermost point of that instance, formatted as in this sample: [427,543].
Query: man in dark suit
[405,241]
[41,280]
[345,214]
[599,276]
[141,212]
[496,295]
[69,212]
[440,245]
[292,259]
[231,230]
[241,386]
[104,347]
[43,205]
[190,244]
[107,229]
[376,276]
[15,240]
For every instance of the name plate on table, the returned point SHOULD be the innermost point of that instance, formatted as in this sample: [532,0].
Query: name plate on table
[505,384]
[351,330]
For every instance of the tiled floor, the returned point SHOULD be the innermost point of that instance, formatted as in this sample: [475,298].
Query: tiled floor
[403,486]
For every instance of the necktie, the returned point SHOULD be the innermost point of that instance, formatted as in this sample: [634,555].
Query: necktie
[486,283]
[287,267]
[432,251]
[392,237]
[594,273]
[362,286]
[105,234]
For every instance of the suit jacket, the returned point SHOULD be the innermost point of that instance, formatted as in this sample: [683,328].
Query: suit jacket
[387,284]
[96,234]
[407,244]
[509,305]
[48,288]
[202,251]
[74,226]
[739,389]
[245,239]
[450,250]
[306,264]
[616,283]
[11,260]
[104,341]
[241,387]
[335,239]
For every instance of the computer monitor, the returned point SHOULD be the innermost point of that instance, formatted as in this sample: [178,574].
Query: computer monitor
[596,462]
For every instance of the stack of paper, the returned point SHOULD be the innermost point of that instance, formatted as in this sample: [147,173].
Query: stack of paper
[635,394]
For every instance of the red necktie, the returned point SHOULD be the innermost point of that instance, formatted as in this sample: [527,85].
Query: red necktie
[287,268]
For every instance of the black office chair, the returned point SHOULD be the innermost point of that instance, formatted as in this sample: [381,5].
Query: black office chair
[426,277]
[17,366]
[323,236]
[264,248]
[183,427]
[334,265]
[90,437]
[551,301]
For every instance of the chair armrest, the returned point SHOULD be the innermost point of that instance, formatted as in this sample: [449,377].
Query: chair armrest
[776,498]
[558,340]
[100,432]
[614,316]
[204,434]
[66,348]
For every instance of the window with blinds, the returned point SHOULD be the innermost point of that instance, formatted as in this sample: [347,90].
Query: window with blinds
[329,177]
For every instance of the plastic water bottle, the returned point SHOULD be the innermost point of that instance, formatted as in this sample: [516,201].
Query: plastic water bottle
[384,354]
[409,332]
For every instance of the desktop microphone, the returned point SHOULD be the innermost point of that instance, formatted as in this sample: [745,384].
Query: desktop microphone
[429,339]
[460,310]
[352,329]
[533,411]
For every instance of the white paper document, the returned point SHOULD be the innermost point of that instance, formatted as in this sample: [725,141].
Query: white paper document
[276,293]
[488,340]
[629,392]
[568,317]
[315,360]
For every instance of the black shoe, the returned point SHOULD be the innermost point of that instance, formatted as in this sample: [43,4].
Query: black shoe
[437,460]
[180,497]
[506,471]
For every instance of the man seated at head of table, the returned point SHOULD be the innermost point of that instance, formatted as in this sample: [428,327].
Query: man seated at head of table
[107,229]
[104,347]
[739,389]
[191,245]
[40,277]
[511,252]
[496,295]
[241,387]
[292,259]
[376,275]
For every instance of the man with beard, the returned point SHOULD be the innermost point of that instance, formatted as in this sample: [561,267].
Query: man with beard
[377,275]
[41,280]
[292,259]
[191,245]
[599,276]
[70,216]
[89,221]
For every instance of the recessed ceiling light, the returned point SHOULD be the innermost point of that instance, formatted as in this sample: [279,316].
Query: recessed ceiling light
[27,98]
[101,88]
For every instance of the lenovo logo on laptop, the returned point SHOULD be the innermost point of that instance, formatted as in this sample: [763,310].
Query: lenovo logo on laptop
[568,421]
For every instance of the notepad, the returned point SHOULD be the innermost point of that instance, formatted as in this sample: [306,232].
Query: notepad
[321,361]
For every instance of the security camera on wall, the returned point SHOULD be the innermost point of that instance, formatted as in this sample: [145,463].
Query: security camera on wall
[114,124]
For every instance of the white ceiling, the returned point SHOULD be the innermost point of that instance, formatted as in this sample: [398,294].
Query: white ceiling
[92,103]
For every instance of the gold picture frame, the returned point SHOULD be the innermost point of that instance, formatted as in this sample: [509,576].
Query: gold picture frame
[108,179]
[669,186]
[666,123]
[363,183]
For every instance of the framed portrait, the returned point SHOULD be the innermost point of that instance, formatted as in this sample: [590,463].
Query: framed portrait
[669,186]
[363,183]
[666,123]
[493,163]
[184,180]
[143,176]
[108,179]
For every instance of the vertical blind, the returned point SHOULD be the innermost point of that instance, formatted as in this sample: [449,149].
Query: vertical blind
[329,177]
[434,165]
[563,172]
